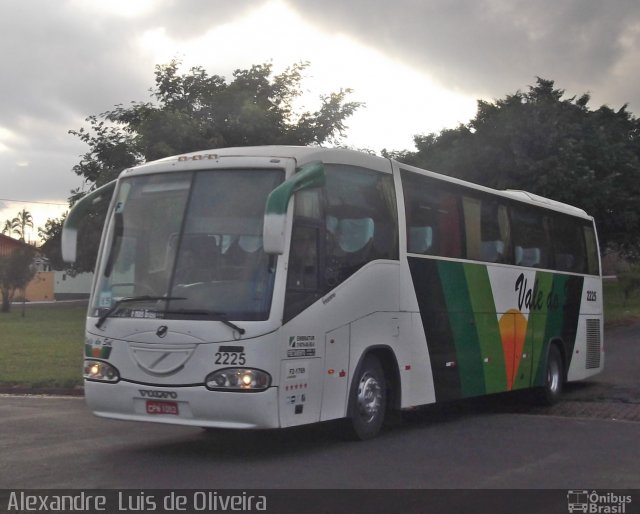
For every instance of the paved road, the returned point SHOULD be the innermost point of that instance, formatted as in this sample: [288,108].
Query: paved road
[54,442]
[614,393]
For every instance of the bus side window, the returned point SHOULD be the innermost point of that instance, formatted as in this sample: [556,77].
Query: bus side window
[568,244]
[495,232]
[303,278]
[476,249]
[434,217]
[361,220]
[530,237]
[450,225]
[593,262]
[303,264]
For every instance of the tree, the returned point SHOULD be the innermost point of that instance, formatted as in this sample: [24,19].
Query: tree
[196,111]
[553,146]
[19,224]
[51,234]
[16,270]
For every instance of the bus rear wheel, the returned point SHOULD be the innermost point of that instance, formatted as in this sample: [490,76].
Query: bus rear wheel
[367,400]
[549,393]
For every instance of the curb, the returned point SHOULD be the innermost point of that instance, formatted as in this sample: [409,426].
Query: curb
[611,409]
[42,391]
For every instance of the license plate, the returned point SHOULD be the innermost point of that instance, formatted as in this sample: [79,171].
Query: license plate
[157,407]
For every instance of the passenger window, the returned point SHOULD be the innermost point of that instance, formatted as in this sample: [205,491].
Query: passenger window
[529,228]
[337,230]
[494,220]
[434,224]
[486,229]
[568,245]
[593,262]
[361,220]
[308,204]
[472,227]
[303,265]
[304,271]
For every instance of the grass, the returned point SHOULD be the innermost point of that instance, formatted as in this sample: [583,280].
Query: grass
[616,310]
[45,348]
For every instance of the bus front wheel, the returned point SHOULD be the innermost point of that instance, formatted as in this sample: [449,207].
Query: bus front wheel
[367,400]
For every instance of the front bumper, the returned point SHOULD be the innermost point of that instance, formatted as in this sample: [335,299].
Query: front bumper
[196,405]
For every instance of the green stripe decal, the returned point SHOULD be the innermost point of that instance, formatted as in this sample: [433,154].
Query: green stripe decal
[554,322]
[543,319]
[488,330]
[534,343]
[476,349]
[469,357]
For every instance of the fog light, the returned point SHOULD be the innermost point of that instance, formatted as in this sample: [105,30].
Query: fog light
[238,379]
[100,371]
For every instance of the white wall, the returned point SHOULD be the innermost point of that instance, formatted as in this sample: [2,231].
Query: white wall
[67,286]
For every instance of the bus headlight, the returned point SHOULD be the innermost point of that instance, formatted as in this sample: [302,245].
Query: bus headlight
[101,371]
[238,379]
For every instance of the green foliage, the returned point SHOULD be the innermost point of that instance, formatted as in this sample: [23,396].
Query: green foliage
[111,150]
[51,234]
[617,308]
[196,111]
[16,270]
[629,282]
[7,227]
[553,146]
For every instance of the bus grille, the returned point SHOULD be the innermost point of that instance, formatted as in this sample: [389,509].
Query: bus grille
[593,343]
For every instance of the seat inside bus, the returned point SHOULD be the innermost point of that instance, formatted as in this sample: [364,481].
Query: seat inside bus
[420,239]
[529,257]
[492,251]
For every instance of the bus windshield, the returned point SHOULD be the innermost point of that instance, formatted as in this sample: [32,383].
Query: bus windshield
[194,238]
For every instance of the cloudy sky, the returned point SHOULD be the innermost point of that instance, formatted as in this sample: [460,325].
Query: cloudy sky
[419,65]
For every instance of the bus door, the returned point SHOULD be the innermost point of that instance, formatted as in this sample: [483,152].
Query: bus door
[336,376]
[301,379]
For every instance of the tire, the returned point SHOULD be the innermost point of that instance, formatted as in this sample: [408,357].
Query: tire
[550,392]
[367,401]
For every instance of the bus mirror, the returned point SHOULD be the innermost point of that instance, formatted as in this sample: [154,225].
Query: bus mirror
[307,176]
[79,211]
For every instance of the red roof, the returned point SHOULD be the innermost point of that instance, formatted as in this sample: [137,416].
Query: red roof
[9,244]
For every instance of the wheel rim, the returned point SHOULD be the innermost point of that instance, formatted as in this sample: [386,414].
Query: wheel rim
[553,376]
[369,399]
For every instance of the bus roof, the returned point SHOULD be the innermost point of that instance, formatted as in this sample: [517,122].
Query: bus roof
[545,202]
[305,154]
[302,155]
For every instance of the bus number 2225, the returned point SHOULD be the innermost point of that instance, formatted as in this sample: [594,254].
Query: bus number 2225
[231,358]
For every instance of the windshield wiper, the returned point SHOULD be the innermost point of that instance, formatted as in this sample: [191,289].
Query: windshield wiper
[216,316]
[128,299]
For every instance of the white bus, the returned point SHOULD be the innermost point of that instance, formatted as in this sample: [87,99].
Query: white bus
[277,286]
